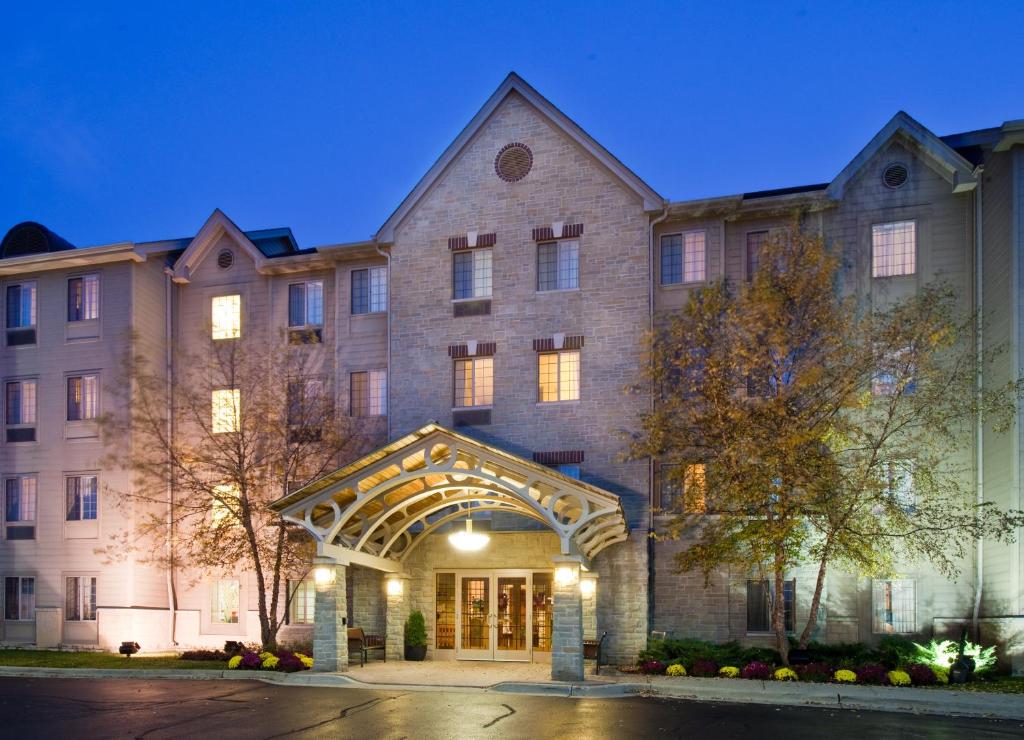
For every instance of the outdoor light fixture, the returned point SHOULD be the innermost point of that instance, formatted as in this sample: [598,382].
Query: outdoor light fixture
[565,576]
[323,575]
[394,587]
[588,586]
[467,540]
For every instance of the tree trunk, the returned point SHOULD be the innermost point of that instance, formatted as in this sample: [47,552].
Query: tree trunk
[779,610]
[812,617]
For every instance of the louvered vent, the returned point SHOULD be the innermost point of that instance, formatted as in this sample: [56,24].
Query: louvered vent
[895,175]
[225,259]
[513,162]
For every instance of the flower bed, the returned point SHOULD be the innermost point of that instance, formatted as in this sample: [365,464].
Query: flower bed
[283,660]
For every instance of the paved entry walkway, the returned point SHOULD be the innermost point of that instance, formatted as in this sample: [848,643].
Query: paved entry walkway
[475,673]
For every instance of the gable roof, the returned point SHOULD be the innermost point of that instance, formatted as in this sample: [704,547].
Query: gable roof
[946,161]
[217,225]
[514,83]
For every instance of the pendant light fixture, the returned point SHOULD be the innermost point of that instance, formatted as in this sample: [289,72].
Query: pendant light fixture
[467,540]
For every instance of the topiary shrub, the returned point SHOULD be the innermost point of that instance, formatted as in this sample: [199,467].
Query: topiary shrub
[757,671]
[416,630]
[872,674]
[704,669]
[921,675]
[814,672]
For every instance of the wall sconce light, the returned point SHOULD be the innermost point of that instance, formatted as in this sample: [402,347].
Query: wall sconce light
[566,576]
[588,586]
[323,575]
[394,587]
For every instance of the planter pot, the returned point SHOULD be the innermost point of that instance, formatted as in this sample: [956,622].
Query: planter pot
[415,652]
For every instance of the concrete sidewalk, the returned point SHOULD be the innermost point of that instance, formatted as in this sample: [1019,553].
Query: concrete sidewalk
[835,696]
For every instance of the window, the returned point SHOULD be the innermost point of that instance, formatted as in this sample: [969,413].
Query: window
[21,314]
[20,507]
[755,242]
[224,602]
[893,249]
[83,397]
[20,411]
[691,495]
[369,393]
[306,304]
[370,290]
[900,483]
[223,505]
[80,599]
[19,598]
[474,382]
[303,601]
[894,603]
[682,258]
[471,274]
[307,410]
[84,298]
[559,374]
[895,375]
[759,613]
[558,265]
[226,316]
[81,492]
[226,416]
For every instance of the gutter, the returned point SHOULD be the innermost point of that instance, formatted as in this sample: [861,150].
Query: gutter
[169,390]
[979,390]
[387,373]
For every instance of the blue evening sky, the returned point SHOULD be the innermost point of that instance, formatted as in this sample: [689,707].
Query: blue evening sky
[133,121]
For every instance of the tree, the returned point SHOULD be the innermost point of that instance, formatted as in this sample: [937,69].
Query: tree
[239,424]
[831,432]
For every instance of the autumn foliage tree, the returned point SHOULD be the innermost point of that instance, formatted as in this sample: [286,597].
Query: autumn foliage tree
[834,433]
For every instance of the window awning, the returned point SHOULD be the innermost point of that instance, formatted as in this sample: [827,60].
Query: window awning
[380,507]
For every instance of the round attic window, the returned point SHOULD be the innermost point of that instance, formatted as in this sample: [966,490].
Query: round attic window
[513,162]
[225,259]
[895,175]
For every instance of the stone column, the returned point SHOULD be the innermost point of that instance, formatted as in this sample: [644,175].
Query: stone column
[567,632]
[330,628]
[396,588]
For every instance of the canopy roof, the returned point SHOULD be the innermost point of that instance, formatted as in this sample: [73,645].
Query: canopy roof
[377,509]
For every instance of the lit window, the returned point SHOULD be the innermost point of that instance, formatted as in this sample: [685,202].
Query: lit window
[223,505]
[893,249]
[370,290]
[83,397]
[20,411]
[683,258]
[755,243]
[226,316]
[895,374]
[224,602]
[81,497]
[84,298]
[306,303]
[471,274]
[369,393]
[474,382]
[900,483]
[894,603]
[20,507]
[558,265]
[226,410]
[19,599]
[691,494]
[559,376]
[303,604]
[759,601]
[80,599]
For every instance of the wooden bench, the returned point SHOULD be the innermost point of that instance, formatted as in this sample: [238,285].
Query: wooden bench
[362,643]
[592,651]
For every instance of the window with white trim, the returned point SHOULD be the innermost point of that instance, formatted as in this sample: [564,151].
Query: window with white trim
[306,304]
[80,599]
[81,497]
[226,410]
[20,410]
[894,249]
[471,273]
[559,376]
[83,397]
[755,243]
[894,605]
[20,507]
[474,382]
[21,314]
[226,316]
[370,290]
[302,607]
[683,257]
[19,598]
[224,506]
[558,265]
[224,601]
[84,298]
[368,392]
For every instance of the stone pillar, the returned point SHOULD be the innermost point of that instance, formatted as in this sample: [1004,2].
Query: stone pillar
[330,620]
[567,627]
[396,588]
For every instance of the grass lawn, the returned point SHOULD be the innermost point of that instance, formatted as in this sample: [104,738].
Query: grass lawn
[68,659]
[994,685]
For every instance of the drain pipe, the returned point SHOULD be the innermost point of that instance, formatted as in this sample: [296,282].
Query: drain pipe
[169,393]
[387,373]
[650,460]
[979,347]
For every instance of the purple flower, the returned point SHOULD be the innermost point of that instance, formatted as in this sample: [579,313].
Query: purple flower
[921,675]
[652,666]
[704,668]
[815,672]
[757,670]
[872,673]
[287,662]
[251,661]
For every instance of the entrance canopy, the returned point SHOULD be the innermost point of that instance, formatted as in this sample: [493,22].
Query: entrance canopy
[376,510]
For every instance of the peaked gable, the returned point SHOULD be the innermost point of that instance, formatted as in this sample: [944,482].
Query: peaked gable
[946,161]
[216,226]
[561,122]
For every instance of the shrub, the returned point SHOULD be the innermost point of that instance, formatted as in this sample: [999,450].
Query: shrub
[872,673]
[250,661]
[234,647]
[898,678]
[844,675]
[288,662]
[757,670]
[841,654]
[270,662]
[729,671]
[921,675]
[300,647]
[815,672]
[704,668]
[205,655]
[942,653]
[759,655]
[306,661]
[676,669]
[785,674]
[234,661]
[894,651]
[941,674]
[689,651]
[416,630]
[653,667]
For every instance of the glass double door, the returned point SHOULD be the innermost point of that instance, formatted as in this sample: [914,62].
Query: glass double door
[493,618]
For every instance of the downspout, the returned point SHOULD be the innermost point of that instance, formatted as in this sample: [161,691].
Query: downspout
[979,346]
[387,372]
[650,460]
[172,606]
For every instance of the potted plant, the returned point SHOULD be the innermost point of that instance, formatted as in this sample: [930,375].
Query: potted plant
[415,636]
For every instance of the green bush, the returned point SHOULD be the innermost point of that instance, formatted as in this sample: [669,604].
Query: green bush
[688,651]
[416,629]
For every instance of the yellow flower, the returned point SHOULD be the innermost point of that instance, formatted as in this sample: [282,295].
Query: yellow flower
[676,670]
[265,654]
[845,676]
[785,674]
[234,661]
[271,661]
[941,674]
[899,678]
[306,660]
[728,671]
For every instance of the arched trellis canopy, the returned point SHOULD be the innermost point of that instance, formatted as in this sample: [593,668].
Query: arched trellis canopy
[378,509]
